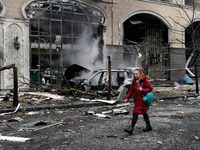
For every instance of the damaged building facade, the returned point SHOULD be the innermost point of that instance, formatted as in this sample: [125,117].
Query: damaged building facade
[42,37]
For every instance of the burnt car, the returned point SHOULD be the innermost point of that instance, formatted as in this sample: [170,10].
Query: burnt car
[72,75]
[98,82]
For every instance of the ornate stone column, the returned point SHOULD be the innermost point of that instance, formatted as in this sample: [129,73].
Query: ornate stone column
[15,51]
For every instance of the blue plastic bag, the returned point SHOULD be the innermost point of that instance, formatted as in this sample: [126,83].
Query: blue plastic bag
[186,80]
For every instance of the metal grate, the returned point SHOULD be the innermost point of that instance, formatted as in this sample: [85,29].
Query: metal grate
[55,29]
[157,52]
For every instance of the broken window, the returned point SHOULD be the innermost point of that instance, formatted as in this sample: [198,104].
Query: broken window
[192,42]
[192,35]
[148,36]
[60,30]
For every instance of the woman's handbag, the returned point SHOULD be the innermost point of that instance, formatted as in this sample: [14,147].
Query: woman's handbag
[148,98]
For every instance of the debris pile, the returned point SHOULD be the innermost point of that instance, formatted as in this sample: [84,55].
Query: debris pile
[176,90]
[105,112]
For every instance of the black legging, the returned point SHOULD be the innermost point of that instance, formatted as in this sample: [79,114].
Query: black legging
[145,116]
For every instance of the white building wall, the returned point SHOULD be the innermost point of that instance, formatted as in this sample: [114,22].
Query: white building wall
[10,29]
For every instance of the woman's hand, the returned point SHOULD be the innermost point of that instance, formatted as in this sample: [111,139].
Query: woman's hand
[125,100]
[140,89]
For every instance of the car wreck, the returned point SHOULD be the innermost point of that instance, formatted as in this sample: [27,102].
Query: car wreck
[71,74]
[98,82]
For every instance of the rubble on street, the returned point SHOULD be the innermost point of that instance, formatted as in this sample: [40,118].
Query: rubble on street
[45,120]
[30,99]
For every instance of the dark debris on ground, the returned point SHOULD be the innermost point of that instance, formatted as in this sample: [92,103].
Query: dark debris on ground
[162,90]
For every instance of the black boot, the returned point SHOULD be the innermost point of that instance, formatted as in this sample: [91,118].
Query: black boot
[130,128]
[148,127]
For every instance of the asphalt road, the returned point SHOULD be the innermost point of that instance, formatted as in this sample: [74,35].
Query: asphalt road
[175,123]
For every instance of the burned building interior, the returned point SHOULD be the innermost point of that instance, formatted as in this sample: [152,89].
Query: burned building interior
[191,30]
[192,40]
[60,36]
[150,36]
[56,30]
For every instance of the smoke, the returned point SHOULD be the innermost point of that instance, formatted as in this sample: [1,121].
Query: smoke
[84,51]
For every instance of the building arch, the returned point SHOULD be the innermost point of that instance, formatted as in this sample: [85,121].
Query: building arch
[191,42]
[149,33]
[27,2]
[144,11]
[4,8]
[185,28]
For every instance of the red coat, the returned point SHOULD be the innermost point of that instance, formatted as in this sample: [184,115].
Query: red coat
[140,107]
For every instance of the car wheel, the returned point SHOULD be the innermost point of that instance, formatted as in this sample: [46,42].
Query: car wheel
[84,88]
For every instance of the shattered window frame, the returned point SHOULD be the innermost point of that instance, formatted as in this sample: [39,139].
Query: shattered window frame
[43,36]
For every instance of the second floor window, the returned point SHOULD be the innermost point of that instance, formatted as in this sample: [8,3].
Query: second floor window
[194,3]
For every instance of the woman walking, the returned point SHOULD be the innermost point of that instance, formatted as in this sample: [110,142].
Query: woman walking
[140,86]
